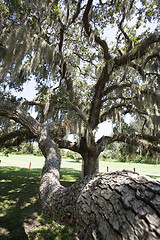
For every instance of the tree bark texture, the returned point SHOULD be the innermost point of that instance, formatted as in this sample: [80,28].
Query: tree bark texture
[106,206]
[90,163]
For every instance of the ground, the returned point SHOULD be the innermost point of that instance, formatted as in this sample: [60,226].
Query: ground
[20,211]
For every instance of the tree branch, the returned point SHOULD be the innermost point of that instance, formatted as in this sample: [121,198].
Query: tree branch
[67,145]
[115,86]
[15,138]
[112,110]
[132,139]
[78,111]
[154,55]
[85,60]
[137,52]
[97,99]
[88,30]
[124,33]
[10,110]
[78,9]
[137,67]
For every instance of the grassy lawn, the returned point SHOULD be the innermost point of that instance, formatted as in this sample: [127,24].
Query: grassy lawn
[38,162]
[20,212]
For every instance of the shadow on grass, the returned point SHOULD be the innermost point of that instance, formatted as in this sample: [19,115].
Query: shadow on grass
[20,211]
[18,199]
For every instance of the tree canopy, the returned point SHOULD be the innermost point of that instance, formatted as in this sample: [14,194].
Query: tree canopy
[91,61]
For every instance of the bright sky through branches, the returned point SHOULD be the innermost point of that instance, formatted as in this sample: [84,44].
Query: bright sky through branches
[105,128]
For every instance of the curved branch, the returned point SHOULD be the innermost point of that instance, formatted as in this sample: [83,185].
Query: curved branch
[137,67]
[154,55]
[85,60]
[15,138]
[10,110]
[30,103]
[112,110]
[67,145]
[132,139]
[78,111]
[115,86]
[78,9]
[124,33]
[88,30]
[130,108]
[137,52]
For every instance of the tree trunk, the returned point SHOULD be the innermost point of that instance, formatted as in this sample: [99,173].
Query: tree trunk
[90,164]
[89,151]
[119,205]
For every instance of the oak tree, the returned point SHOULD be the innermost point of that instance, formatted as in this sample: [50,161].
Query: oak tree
[83,79]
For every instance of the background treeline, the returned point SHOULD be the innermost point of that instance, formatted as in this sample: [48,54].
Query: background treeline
[119,152]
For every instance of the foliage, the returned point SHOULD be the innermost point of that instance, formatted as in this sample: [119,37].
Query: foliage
[122,152]
[70,154]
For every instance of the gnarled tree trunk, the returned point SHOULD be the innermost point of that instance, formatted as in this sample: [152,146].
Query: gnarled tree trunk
[118,205]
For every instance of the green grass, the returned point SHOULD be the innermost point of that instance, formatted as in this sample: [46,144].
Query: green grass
[147,169]
[38,162]
[22,161]
[20,212]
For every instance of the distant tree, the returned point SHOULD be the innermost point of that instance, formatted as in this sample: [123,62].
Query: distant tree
[83,80]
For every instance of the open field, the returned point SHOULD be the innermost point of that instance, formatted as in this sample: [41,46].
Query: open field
[38,162]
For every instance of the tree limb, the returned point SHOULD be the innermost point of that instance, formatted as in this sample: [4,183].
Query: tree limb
[78,9]
[111,111]
[15,138]
[138,67]
[97,99]
[67,145]
[85,60]
[137,52]
[78,111]
[154,55]
[10,110]
[88,30]
[132,139]
[124,33]
[115,86]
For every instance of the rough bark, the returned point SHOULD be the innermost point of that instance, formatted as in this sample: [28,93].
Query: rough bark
[118,205]
[90,163]
[89,151]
